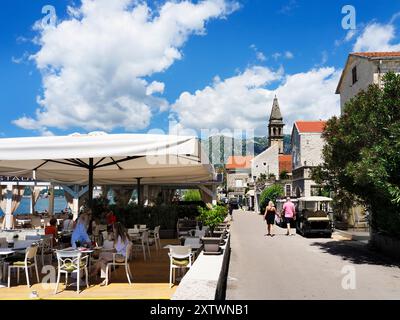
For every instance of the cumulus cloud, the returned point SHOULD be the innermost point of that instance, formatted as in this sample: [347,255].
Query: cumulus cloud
[377,37]
[289,55]
[244,101]
[259,55]
[95,63]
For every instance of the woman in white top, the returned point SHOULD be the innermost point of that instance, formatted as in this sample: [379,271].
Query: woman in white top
[121,241]
[68,224]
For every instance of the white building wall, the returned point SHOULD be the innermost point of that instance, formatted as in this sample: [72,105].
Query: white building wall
[311,145]
[266,162]
[367,74]
[232,177]
[306,152]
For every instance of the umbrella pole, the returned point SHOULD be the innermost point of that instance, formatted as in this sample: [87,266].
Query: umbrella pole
[91,171]
[138,192]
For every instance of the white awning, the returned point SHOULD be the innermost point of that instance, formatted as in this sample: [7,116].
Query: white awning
[113,158]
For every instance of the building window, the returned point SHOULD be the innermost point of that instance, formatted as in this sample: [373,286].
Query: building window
[288,190]
[354,74]
[265,164]
[238,183]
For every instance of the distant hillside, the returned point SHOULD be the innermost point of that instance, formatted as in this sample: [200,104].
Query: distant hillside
[219,148]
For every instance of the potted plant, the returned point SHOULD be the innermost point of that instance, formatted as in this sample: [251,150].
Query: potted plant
[212,216]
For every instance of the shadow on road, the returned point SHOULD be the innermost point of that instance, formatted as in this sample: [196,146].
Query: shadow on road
[357,253]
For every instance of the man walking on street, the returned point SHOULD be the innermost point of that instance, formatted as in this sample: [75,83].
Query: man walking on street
[289,212]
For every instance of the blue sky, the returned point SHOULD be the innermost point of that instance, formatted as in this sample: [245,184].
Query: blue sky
[256,48]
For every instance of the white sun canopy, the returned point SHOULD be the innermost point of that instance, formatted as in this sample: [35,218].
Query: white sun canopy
[112,158]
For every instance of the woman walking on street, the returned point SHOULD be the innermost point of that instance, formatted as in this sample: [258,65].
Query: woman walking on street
[269,216]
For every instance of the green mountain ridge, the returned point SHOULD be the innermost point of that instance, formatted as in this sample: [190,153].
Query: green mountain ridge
[219,148]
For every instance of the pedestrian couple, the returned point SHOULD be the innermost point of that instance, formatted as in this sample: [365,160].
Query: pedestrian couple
[288,211]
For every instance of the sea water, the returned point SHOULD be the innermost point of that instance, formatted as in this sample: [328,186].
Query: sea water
[41,205]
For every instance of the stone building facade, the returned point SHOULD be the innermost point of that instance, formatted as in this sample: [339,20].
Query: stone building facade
[307,144]
[363,69]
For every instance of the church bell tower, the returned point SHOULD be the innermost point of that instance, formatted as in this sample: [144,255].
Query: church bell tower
[275,127]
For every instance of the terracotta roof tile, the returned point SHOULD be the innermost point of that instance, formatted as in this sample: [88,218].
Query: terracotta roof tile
[310,126]
[377,54]
[285,163]
[239,162]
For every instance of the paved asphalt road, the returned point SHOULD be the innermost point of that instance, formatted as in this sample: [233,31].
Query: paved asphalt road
[293,267]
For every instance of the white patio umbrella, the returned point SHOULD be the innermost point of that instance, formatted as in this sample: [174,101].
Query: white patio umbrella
[106,159]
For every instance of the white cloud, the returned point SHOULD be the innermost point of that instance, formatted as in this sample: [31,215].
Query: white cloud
[259,55]
[276,55]
[289,55]
[22,59]
[94,63]
[155,87]
[244,101]
[350,35]
[324,59]
[288,8]
[377,37]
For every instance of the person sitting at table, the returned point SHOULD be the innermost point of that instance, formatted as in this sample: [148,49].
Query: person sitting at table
[111,219]
[68,224]
[52,229]
[80,231]
[121,241]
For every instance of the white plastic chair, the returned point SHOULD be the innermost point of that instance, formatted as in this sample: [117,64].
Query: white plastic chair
[142,226]
[70,262]
[46,247]
[28,263]
[125,264]
[180,257]
[154,236]
[142,243]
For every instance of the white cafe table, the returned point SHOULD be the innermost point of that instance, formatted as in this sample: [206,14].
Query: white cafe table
[4,252]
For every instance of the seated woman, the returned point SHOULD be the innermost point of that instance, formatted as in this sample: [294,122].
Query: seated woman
[68,224]
[80,231]
[111,219]
[52,229]
[121,241]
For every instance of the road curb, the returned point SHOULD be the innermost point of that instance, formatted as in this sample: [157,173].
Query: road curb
[351,236]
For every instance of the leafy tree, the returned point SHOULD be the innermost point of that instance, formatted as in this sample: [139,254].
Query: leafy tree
[283,175]
[192,195]
[270,194]
[362,153]
[211,216]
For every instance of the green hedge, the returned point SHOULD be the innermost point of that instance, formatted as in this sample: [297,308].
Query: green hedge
[164,215]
